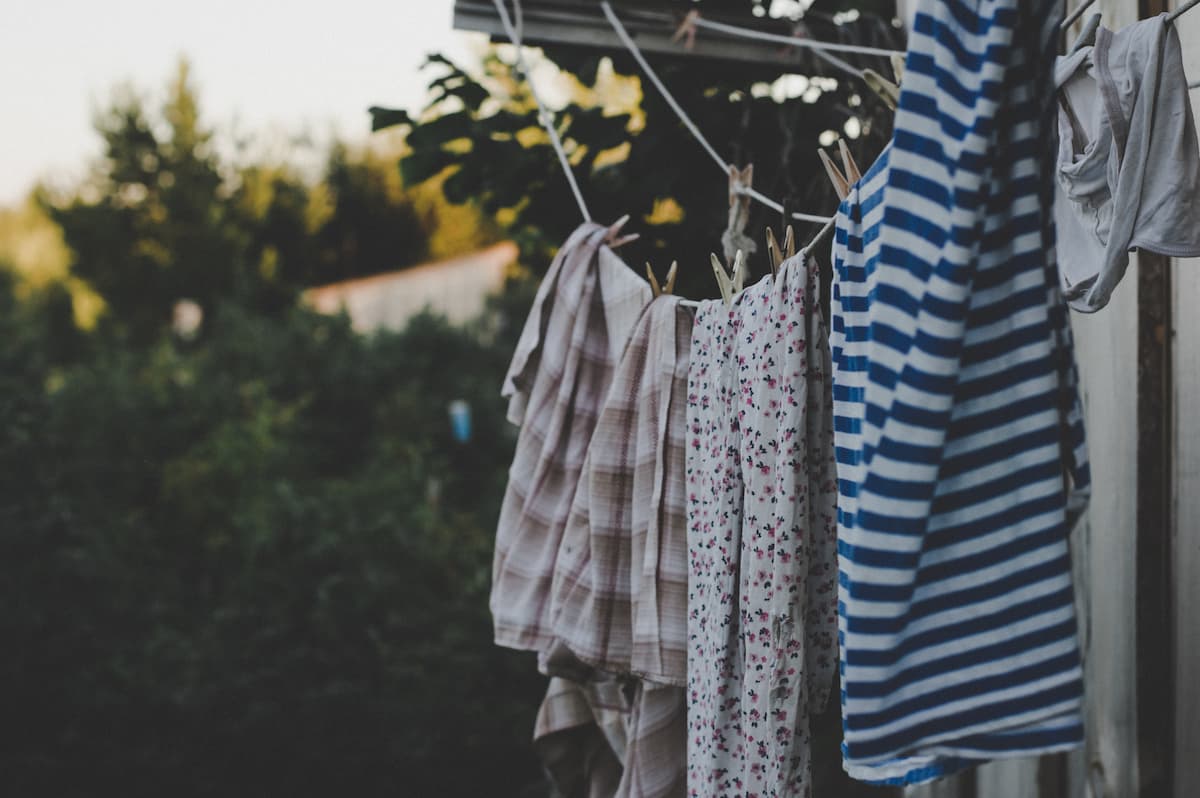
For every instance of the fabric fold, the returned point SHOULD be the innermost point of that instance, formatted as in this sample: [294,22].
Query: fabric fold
[619,596]
[1128,172]
[959,432]
[556,385]
[761,524]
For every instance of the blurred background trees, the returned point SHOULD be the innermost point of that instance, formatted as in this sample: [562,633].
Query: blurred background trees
[251,559]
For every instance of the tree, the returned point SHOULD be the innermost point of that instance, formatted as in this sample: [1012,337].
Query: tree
[370,227]
[482,130]
[164,218]
[152,226]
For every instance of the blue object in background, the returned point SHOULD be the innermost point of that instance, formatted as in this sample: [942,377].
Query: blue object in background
[460,420]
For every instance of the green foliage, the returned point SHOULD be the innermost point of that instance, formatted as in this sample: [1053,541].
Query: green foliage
[483,129]
[368,230]
[164,219]
[257,565]
[255,562]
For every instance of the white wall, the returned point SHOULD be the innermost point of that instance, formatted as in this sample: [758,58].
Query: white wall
[1185,279]
[456,288]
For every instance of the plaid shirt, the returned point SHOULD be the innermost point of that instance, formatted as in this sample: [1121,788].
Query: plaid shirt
[613,737]
[559,377]
[620,589]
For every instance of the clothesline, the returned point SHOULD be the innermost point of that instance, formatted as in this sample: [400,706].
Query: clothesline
[793,41]
[818,47]
[1177,13]
[545,118]
[1076,14]
[1086,4]
[623,35]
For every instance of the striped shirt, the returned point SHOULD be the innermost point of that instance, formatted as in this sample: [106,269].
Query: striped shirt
[958,427]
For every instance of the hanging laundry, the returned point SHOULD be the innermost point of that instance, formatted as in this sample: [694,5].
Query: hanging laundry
[580,728]
[1128,159]
[619,594]
[606,736]
[762,490]
[582,315]
[957,423]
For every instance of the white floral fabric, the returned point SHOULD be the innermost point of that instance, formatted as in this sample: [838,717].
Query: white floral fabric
[762,538]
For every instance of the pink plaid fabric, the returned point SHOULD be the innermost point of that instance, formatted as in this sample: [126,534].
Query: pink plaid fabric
[620,588]
[559,377]
[613,737]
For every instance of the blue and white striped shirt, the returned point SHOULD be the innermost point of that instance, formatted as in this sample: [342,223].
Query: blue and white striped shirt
[958,426]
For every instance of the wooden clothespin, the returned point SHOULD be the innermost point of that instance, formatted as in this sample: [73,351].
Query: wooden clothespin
[666,287]
[841,182]
[613,237]
[732,282]
[853,175]
[897,67]
[779,254]
[739,272]
[888,91]
[840,185]
[734,238]
[774,255]
[687,30]
[723,281]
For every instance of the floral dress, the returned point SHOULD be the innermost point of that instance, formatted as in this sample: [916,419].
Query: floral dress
[762,538]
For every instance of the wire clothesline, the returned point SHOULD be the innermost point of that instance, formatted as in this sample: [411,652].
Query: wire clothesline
[546,119]
[623,35]
[1086,4]
[1076,14]
[819,48]
[1177,13]
[544,116]
[793,41]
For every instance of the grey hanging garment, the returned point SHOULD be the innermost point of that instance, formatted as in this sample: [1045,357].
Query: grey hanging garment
[1128,162]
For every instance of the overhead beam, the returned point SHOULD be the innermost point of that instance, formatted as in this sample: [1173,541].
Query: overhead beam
[581,23]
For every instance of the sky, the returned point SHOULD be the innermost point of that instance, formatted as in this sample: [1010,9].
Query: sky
[259,65]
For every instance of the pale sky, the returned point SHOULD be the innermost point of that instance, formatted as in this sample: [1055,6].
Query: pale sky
[259,65]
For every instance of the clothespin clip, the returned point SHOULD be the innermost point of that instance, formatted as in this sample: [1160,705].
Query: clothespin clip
[897,67]
[841,182]
[734,238]
[613,237]
[853,175]
[723,281]
[774,255]
[778,254]
[739,272]
[666,287]
[888,91]
[840,185]
[739,181]
[729,283]
[687,30]
[1087,36]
